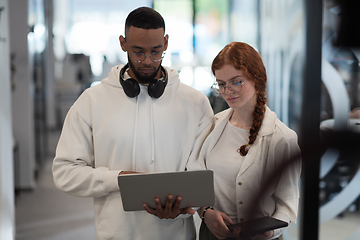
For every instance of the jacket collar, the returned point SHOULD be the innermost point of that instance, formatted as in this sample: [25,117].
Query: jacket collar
[267,126]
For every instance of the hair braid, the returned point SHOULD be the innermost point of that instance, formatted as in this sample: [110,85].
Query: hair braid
[244,57]
[258,116]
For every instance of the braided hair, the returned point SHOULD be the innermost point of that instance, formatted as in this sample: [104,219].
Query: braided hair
[244,57]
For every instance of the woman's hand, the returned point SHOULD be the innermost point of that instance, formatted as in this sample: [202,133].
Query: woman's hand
[214,220]
[261,236]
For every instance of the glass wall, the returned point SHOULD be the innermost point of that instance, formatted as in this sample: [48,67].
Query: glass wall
[86,44]
[340,175]
[37,38]
[198,30]
[244,22]
[178,16]
[93,28]
[282,47]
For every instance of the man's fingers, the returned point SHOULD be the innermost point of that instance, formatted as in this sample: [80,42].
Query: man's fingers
[170,210]
[187,211]
[168,207]
[158,206]
[168,204]
[177,202]
[176,206]
[149,210]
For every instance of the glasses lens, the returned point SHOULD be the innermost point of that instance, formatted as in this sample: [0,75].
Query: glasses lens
[138,57]
[236,86]
[157,56]
[215,88]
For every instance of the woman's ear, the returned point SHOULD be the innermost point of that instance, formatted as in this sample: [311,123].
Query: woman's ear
[122,43]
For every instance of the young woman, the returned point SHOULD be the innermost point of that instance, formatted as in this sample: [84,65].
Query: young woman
[254,156]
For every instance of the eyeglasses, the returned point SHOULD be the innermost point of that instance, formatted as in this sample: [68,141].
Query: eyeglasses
[234,86]
[139,56]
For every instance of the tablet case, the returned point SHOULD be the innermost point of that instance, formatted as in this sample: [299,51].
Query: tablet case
[196,189]
[259,225]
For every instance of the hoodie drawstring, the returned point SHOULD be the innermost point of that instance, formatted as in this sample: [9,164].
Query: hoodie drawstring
[152,132]
[133,161]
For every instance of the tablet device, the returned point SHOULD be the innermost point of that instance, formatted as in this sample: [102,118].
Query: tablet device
[259,225]
[196,189]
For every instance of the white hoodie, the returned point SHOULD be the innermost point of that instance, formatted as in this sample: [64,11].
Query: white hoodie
[106,132]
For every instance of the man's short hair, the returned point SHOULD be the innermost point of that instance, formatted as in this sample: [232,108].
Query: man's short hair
[144,18]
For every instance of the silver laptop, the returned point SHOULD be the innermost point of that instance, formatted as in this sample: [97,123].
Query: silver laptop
[196,189]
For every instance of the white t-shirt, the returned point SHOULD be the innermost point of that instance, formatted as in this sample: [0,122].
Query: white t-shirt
[226,165]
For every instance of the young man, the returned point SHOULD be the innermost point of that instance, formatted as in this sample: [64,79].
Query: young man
[139,119]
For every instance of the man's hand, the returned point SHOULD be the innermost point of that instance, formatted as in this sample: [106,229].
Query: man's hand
[170,210]
[215,221]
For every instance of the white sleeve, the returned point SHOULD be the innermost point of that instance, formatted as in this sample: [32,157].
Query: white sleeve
[204,129]
[73,165]
[287,190]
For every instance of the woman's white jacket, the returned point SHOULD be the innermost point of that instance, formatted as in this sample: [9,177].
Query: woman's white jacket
[267,183]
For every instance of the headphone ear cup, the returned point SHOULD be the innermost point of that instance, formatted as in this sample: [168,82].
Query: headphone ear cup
[157,87]
[131,87]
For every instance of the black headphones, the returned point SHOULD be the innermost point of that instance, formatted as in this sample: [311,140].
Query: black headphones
[132,88]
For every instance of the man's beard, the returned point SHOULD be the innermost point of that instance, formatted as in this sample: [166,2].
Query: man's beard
[141,78]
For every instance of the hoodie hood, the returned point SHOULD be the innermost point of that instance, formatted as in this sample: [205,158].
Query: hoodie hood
[113,80]
[113,77]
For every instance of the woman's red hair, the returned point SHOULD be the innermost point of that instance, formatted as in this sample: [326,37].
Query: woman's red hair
[244,57]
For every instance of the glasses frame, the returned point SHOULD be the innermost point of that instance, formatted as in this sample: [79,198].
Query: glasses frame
[218,91]
[145,55]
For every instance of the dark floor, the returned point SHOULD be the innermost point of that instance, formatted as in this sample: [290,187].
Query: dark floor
[46,213]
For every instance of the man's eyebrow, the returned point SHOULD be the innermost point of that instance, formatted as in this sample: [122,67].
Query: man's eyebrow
[141,48]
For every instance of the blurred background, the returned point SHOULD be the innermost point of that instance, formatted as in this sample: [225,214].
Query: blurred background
[52,50]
